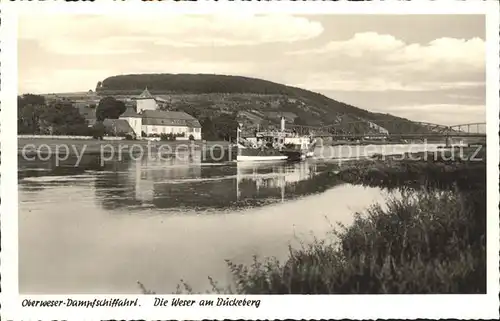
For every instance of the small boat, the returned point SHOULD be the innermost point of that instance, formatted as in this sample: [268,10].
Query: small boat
[274,146]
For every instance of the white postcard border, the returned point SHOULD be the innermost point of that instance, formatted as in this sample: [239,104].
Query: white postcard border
[275,307]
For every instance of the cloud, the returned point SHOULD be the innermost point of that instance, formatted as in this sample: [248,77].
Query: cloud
[450,51]
[357,46]
[351,81]
[373,62]
[387,50]
[73,35]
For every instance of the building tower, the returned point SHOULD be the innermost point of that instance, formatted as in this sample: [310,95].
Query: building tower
[145,101]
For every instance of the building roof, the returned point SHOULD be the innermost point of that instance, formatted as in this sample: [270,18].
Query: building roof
[169,118]
[130,112]
[118,126]
[167,114]
[145,95]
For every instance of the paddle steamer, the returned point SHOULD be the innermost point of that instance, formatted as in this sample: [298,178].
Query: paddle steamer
[280,145]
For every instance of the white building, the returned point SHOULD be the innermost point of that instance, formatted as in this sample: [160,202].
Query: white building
[157,122]
[170,122]
[134,119]
[152,122]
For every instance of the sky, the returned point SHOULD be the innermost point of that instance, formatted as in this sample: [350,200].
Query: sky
[422,67]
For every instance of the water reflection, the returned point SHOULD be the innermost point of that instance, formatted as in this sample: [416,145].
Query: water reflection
[270,180]
[181,183]
[186,180]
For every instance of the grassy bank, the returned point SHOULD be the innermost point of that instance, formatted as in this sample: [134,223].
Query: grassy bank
[464,168]
[365,142]
[413,174]
[429,239]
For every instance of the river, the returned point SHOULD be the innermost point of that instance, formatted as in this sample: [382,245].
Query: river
[100,227]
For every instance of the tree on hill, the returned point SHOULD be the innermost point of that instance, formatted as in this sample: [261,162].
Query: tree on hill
[222,126]
[109,108]
[208,130]
[30,99]
[98,130]
[184,107]
[226,125]
[62,119]
[299,121]
[28,118]
[29,109]
[36,116]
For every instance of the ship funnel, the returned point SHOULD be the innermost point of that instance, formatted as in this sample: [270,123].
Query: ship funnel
[282,124]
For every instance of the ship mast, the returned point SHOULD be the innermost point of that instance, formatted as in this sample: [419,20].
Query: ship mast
[238,130]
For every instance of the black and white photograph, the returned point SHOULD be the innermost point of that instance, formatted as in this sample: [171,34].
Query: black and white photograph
[252,154]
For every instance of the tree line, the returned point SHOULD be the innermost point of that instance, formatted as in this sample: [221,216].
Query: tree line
[37,116]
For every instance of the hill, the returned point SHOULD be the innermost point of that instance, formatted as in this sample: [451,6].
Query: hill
[257,101]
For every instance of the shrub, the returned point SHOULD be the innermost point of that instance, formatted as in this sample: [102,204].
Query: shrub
[98,131]
[168,137]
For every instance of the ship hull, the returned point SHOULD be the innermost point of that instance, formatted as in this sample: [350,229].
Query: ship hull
[241,158]
[259,155]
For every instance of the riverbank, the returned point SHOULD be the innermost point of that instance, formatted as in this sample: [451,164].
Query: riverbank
[463,168]
[431,238]
[366,142]
[376,142]
[96,147]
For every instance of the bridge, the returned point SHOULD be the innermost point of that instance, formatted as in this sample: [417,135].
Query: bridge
[390,129]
